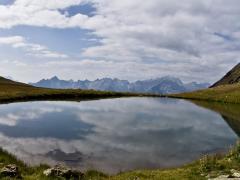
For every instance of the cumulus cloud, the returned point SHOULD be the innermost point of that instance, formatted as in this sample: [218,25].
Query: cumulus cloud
[165,32]
[39,13]
[90,69]
[11,40]
[31,49]
[46,4]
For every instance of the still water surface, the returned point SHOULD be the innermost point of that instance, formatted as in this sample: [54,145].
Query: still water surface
[113,135]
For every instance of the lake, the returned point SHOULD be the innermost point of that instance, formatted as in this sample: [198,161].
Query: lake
[116,135]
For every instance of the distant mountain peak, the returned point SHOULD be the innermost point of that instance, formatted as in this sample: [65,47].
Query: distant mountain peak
[163,85]
[232,77]
[55,78]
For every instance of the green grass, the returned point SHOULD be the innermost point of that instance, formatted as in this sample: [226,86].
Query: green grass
[224,94]
[212,166]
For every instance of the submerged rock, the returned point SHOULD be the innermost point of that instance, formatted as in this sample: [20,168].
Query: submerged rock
[10,170]
[61,171]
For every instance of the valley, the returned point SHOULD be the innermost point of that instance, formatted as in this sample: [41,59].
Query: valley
[63,104]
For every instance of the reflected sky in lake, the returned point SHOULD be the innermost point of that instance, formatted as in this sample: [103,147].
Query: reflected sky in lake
[113,135]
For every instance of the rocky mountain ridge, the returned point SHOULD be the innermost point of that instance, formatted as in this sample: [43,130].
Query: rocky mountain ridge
[164,85]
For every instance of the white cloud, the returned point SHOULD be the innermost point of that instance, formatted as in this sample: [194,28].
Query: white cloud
[31,49]
[11,40]
[165,32]
[46,4]
[90,69]
[39,13]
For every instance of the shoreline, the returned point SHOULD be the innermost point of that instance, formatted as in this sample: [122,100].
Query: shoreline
[26,94]
[209,166]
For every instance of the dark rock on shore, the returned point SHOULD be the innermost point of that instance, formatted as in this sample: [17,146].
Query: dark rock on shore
[61,171]
[10,170]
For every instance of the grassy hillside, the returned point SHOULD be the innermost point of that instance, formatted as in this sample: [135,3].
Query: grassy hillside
[231,77]
[4,81]
[226,90]
[11,91]
[225,94]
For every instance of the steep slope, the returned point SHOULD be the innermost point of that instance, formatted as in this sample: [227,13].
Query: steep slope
[224,93]
[226,90]
[4,80]
[167,87]
[8,86]
[231,77]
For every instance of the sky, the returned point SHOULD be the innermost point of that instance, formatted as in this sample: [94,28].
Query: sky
[132,40]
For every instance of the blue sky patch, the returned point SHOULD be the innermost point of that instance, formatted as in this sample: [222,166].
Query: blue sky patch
[6,2]
[224,36]
[69,41]
[86,9]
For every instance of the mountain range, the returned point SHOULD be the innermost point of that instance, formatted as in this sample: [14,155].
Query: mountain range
[164,85]
[232,77]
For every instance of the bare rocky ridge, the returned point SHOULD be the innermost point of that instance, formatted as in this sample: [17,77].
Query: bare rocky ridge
[164,85]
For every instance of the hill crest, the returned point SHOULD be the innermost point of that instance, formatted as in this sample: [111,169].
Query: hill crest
[232,77]
[10,82]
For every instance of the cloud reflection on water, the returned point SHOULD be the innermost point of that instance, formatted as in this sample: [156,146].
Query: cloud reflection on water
[113,135]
